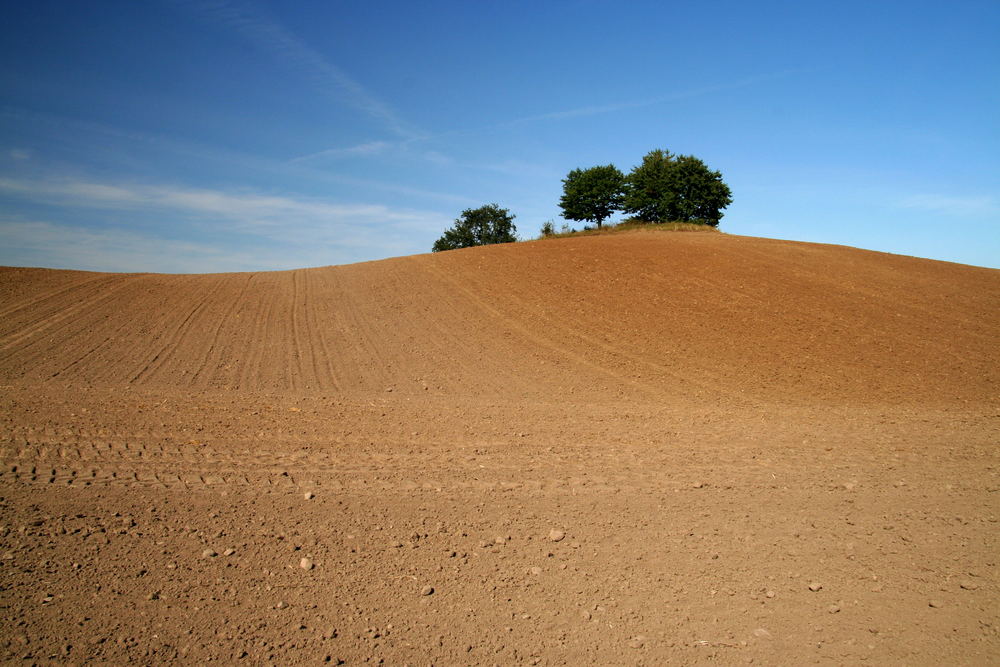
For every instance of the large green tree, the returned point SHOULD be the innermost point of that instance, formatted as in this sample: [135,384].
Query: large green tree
[478,226]
[592,195]
[675,188]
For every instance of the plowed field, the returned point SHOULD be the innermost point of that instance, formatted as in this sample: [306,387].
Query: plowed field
[642,448]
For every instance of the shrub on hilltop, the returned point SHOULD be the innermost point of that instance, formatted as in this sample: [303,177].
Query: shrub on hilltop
[485,225]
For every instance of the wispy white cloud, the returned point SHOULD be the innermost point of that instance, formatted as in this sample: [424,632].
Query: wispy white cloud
[269,35]
[593,110]
[42,243]
[250,210]
[398,149]
[59,123]
[361,150]
[521,169]
[401,150]
[975,205]
[252,230]
[19,154]
[584,111]
[438,158]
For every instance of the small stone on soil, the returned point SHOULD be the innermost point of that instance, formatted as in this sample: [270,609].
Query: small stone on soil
[306,564]
[557,535]
[426,590]
[814,586]
[209,553]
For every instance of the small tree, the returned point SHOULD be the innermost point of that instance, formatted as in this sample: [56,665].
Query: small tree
[478,226]
[681,188]
[592,195]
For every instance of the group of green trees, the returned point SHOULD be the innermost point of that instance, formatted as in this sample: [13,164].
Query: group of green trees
[664,188]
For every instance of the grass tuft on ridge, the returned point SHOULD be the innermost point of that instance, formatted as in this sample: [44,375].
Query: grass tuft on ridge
[633,226]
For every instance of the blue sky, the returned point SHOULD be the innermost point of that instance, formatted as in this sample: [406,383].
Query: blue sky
[229,135]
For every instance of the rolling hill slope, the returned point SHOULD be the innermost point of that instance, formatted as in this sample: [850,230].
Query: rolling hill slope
[643,448]
[643,316]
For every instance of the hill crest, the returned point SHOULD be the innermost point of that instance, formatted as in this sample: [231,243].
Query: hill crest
[642,316]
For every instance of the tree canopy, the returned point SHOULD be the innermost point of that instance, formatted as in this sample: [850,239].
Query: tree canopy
[485,225]
[675,188]
[592,195]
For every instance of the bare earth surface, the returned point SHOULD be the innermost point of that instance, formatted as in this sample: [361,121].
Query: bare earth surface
[632,449]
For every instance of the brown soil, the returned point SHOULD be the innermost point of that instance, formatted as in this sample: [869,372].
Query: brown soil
[712,426]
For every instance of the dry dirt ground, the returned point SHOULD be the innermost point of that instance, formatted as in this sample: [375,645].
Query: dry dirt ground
[633,449]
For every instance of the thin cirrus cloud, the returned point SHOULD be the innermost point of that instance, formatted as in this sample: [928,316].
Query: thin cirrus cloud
[637,104]
[43,243]
[376,148]
[251,211]
[936,203]
[270,36]
[360,150]
[257,231]
[236,231]
[53,123]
